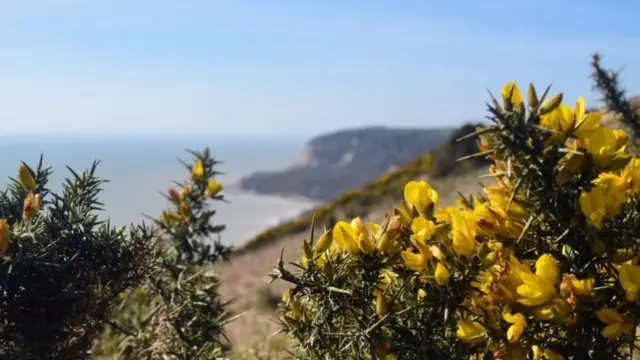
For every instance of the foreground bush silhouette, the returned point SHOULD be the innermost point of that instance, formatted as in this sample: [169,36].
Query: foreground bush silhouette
[64,273]
[60,267]
[541,265]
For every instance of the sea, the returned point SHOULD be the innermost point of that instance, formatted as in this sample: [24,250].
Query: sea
[140,168]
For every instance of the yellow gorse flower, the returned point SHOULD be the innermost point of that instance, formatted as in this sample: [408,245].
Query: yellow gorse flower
[346,237]
[586,123]
[629,276]
[519,323]
[571,286]
[420,195]
[560,120]
[463,231]
[616,324]
[422,229]
[605,199]
[563,120]
[197,171]
[492,221]
[511,95]
[471,332]
[499,198]
[214,187]
[415,262]
[602,144]
[539,287]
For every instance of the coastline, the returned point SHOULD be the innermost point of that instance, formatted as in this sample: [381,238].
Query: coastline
[278,209]
[237,189]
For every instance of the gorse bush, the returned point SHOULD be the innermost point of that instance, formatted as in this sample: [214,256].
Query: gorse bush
[176,313]
[541,265]
[61,267]
[73,287]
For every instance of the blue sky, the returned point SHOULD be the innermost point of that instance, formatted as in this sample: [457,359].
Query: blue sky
[296,67]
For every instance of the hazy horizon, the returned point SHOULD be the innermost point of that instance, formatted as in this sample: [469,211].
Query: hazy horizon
[140,171]
[206,136]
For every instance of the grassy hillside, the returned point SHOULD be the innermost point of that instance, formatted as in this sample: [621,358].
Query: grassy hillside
[437,164]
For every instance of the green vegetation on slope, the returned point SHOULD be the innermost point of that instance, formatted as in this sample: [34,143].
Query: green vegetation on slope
[439,163]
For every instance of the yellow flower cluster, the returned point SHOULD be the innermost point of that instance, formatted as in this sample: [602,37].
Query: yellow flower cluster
[30,206]
[477,243]
[180,198]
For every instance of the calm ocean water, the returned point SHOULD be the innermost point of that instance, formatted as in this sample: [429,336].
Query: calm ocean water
[139,167]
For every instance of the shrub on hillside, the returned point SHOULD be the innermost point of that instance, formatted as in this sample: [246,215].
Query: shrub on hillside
[541,265]
[65,275]
[176,313]
[61,267]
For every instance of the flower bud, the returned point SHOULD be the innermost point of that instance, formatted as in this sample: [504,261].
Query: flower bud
[405,216]
[381,304]
[185,210]
[214,187]
[365,245]
[185,191]
[441,275]
[383,244]
[287,295]
[532,97]
[26,178]
[169,217]
[307,254]
[31,206]
[324,242]
[550,104]
[511,96]
[174,196]
[197,171]
[5,236]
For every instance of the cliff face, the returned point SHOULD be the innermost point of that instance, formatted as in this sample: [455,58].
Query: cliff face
[335,162]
